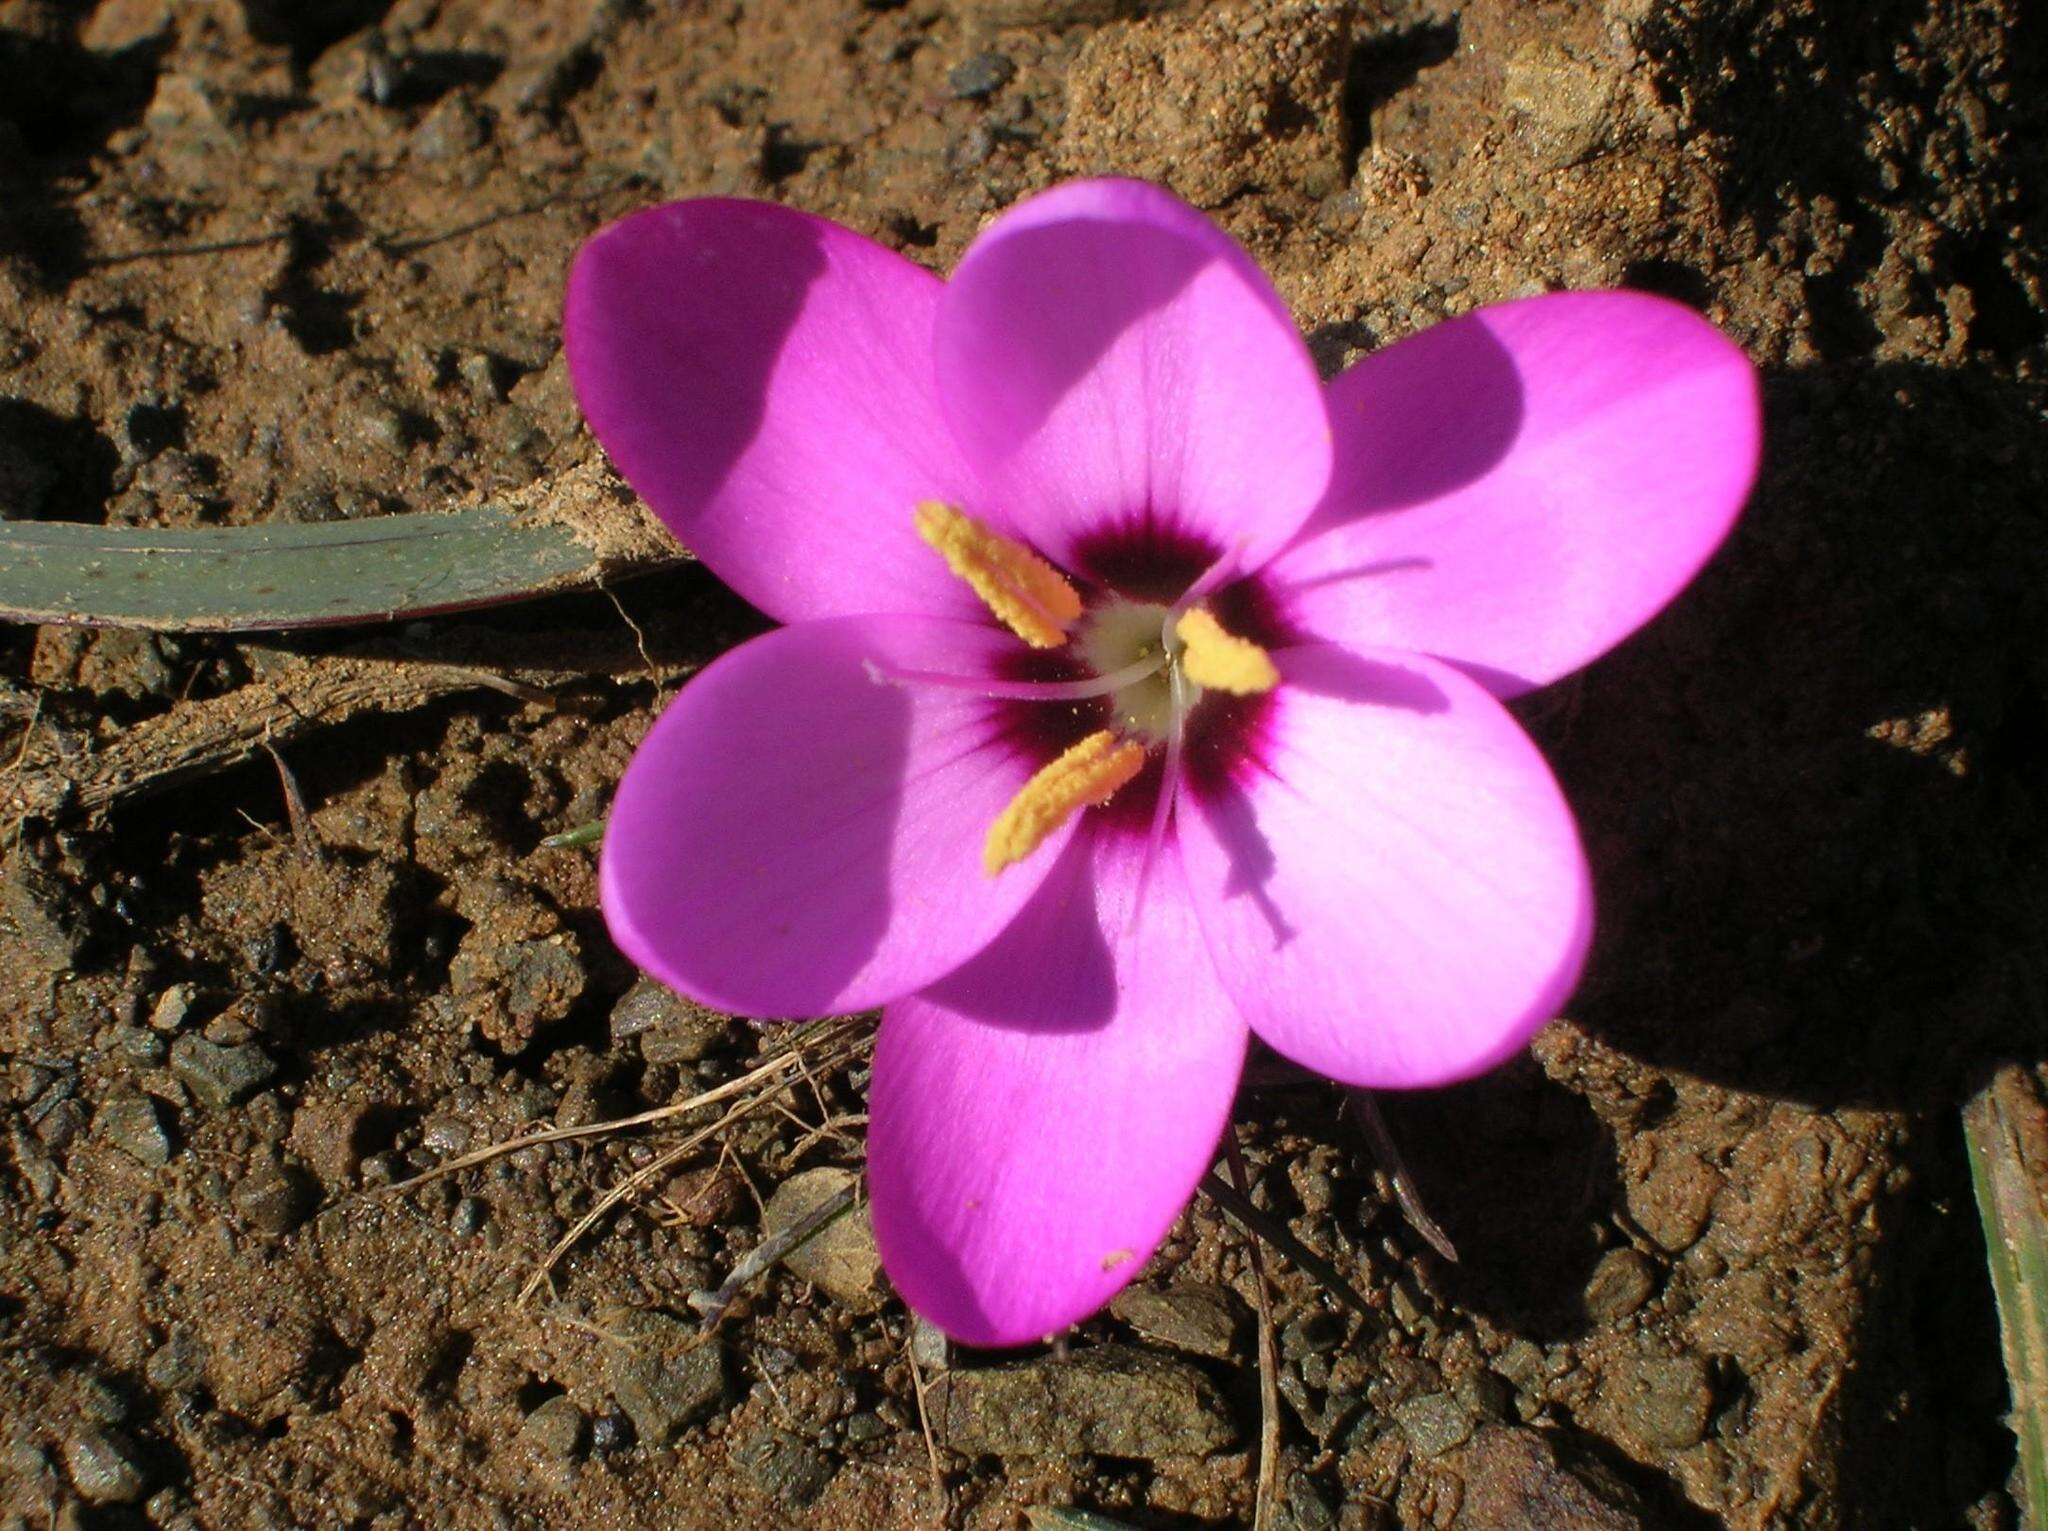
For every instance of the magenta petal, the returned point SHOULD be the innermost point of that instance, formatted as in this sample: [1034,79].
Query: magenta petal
[796,838]
[1520,489]
[763,379]
[1391,887]
[1038,1120]
[1111,360]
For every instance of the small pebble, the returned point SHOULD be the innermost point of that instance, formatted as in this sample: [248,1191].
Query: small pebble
[103,1468]
[1620,1284]
[1434,1423]
[556,1427]
[468,1218]
[610,1432]
[980,77]
[172,1006]
[134,1124]
[217,1076]
[273,1198]
[143,1049]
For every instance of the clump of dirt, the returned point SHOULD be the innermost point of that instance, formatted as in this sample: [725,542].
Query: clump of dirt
[303,262]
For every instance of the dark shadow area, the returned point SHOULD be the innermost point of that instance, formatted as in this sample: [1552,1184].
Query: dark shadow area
[53,468]
[415,77]
[59,102]
[1812,791]
[1381,67]
[1813,796]
[310,27]
[1520,1175]
[1930,1318]
[1669,279]
[318,316]
[1842,127]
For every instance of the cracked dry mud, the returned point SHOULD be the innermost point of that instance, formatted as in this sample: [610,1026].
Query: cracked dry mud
[264,261]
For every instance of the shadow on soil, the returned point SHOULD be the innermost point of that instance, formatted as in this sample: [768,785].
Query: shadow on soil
[1812,794]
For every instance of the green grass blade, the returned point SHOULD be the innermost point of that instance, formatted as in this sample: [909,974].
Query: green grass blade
[2009,1202]
[251,578]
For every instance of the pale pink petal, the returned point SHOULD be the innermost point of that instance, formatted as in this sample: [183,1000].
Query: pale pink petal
[1118,368]
[763,379]
[1038,1120]
[796,838]
[1388,877]
[1520,489]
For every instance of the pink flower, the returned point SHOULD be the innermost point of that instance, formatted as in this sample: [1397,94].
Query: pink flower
[1266,643]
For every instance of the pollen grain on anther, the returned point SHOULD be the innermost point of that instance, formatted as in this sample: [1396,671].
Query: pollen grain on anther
[1221,661]
[1092,772]
[1030,596]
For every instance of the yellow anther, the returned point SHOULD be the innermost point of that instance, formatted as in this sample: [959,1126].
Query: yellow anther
[1213,658]
[1021,588]
[1090,772]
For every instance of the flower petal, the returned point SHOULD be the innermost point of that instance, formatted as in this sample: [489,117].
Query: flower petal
[763,379]
[795,838]
[1038,1120]
[1113,363]
[1520,489]
[1388,877]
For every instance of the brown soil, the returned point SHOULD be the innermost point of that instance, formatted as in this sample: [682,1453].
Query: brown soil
[267,260]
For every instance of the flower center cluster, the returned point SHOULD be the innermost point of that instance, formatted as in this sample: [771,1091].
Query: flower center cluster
[1151,662]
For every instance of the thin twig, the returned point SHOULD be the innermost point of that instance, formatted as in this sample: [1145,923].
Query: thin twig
[303,833]
[771,1250]
[1269,1361]
[176,252]
[832,1034]
[639,1178]
[924,1423]
[624,1189]
[1274,1232]
[1366,1110]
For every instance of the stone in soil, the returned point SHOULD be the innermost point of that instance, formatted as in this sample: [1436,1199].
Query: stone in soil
[1198,1317]
[1620,1284]
[273,1198]
[51,923]
[103,1468]
[172,1007]
[840,1259]
[1112,1401]
[784,1467]
[980,77]
[671,1029]
[178,1364]
[324,1136]
[1434,1423]
[1664,1402]
[663,1374]
[134,1124]
[556,1428]
[220,1077]
[1514,1481]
